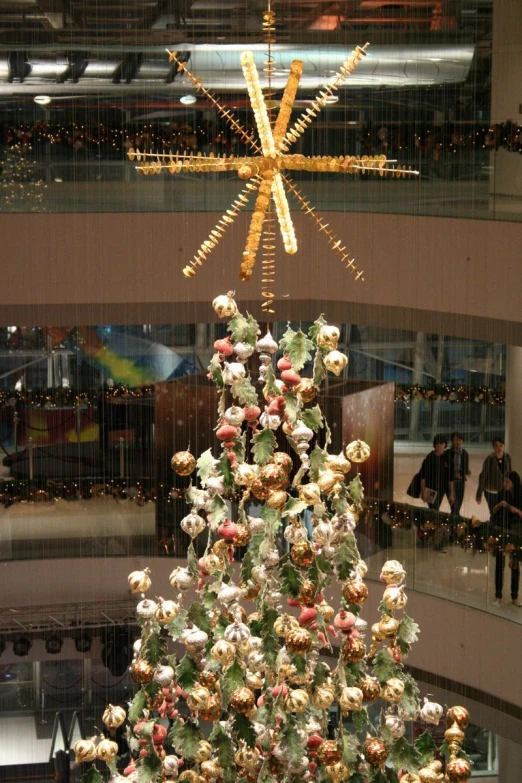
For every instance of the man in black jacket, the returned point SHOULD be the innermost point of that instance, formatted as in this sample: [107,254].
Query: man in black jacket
[459,468]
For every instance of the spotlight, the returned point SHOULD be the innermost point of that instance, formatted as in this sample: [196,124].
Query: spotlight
[21,646]
[83,641]
[188,100]
[117,649]
[53,644]
[42,100]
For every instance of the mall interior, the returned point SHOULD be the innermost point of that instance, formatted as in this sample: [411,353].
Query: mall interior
[105,345]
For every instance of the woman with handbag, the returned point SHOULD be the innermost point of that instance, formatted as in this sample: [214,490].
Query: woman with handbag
[506,535]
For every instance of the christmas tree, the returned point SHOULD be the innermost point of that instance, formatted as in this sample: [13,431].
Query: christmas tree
[250,698]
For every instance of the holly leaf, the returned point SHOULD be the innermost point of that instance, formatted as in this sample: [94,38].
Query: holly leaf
[313,418]
[92,775]
[243,329]
[321,674]
[291,580]
[360,719]
[187,674]
[270,387]
[292,407]
[297,347]
[137,706]
[225,470]
[198,615]
[217,510]
[346,556]
[153,648]
[192,560]
[351,748]
[319,371]
[205,465]
[426,747]
[216,371]
[384,666]
[244,730]
[222,743]
[178,625]
[293,506]
[407,634]
[149,769]
[410,701]
[185,738]
[293,741]
[271,642]
[245,393]
[356,491]
[318,458]
[264,445]
[195,495]
[405,756]
[247,564]
[233,678]
[314,329]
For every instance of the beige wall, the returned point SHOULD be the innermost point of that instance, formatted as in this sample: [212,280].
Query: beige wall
[432,274]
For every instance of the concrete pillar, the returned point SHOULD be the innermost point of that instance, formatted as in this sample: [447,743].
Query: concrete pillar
[509,761]
[513,435]
[506,96]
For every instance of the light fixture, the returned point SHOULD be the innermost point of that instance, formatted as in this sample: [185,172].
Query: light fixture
[53,644]
[21,646]
[83,641]
[42,100]
[188,100]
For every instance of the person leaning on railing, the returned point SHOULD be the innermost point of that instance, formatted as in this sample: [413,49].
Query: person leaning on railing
[506,535]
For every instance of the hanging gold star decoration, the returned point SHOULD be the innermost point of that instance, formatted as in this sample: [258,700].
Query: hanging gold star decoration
[266,170]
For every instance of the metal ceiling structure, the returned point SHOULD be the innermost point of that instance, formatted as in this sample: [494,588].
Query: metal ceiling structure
[118,46]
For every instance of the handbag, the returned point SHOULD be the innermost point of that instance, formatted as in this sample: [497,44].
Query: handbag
[414,488]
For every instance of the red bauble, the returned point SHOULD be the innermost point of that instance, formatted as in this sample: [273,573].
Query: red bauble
[370,688]
[227,530]
[298,640]
[141,671]
[209,679]
[303,553]
[308,593]
[458,771]
[261,492]
[252,414]
[375,751]
[159,734]
[226,432]
[242,700]
[242,536]
[273,476]
[354,650]
[183,463]
[458,715]
[213,711]
[355,592]
[285,460]
[329,752]
[154,702]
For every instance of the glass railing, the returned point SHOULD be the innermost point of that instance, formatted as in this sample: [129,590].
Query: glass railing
[458,186]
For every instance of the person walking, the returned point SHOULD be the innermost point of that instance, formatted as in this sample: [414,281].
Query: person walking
[459,466]
[495,467]
[506,532]
[436,481]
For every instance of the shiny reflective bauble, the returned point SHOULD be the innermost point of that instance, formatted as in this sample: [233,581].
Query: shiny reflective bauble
[375,751]
[224,305]
[114,716]
[242,700]
[458,770]
[183,463]
[141,671]
[84,750]
[357,451]
[302,553]
[458,715]
[139,581]
[329,752]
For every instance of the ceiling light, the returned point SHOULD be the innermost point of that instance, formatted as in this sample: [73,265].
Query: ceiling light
[21,646]
[83,642]
[53,644]
[42,100]
[188,100]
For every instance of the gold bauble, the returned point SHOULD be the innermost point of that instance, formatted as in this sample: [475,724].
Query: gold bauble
[326,481]
[410,777]
[392,572]
[338,772]
[395,598]
[166,611]
[114,716]
[277,498]
[190,775]
[246,757]
[139,581]
[322,697]
[199,698]
[212,563]
[106,750]
[224,305]
[296,701]
[85,750]
[357,451]
[454,734]
[306,389]
[254,680]
[223,652]
[393,690]
[338,463]
[350,699]
[377,634]
[284,624]
[211,769]
[431,773]
[335,362]
[326,610]
[388,626]
[328,337]
[203,751]
[310,494]
[245,474]
[221,550]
